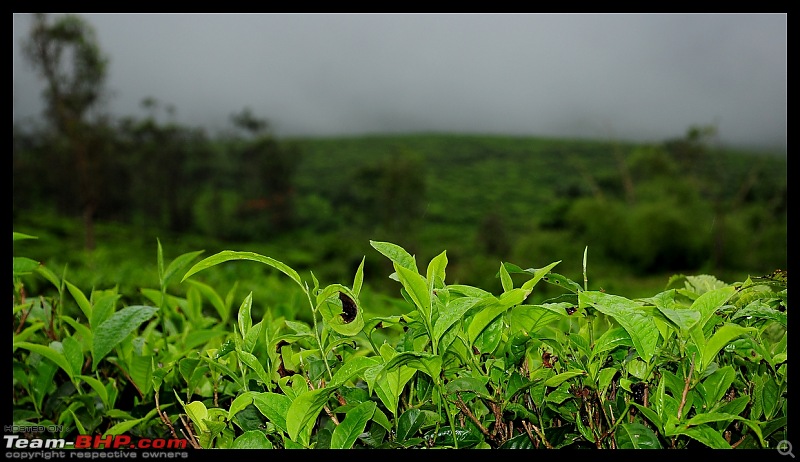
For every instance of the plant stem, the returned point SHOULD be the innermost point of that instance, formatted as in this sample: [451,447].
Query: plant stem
[449,414]
[316,332]
[686,388]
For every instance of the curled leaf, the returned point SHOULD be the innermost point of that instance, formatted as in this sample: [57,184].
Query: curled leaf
[349,308]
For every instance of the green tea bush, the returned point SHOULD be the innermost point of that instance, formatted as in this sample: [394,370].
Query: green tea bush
[702,364]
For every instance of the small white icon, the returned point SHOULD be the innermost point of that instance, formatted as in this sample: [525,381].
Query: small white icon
[785,448]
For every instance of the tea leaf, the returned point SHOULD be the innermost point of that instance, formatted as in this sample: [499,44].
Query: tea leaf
[228,255]
[114,329]
[274,406]
[48,352]
[453,311]
[304,409]
[636,436]
[639,325]
[80,298]
[345,434]
[396,254]
[721,337]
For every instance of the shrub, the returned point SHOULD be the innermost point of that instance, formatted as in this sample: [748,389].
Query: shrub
[701,364]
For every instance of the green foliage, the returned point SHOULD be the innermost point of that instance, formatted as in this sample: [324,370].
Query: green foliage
[484,198]
[700,364]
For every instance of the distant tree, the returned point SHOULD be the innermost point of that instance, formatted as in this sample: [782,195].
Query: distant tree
[693,149]
[248,122]
[390,194]
[735,194]
[169,166]
[492,236]
[263,177]
[66,54]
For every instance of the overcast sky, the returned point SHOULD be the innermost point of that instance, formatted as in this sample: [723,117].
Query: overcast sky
[640,77]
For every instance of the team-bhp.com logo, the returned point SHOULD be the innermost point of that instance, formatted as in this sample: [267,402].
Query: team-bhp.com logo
[120,445]
[94,442]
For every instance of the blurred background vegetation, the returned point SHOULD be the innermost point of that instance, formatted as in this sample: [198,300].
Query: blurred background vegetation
[98,191]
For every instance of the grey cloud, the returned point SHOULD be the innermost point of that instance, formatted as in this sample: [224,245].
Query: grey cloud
[632,76]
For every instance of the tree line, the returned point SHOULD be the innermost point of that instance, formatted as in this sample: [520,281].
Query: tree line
[149,169]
